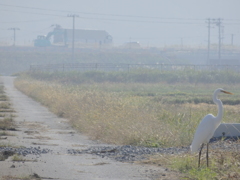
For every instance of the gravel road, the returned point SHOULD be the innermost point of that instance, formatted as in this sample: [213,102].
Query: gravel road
[51,149]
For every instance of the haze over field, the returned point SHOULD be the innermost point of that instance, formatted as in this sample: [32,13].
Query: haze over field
[152,23]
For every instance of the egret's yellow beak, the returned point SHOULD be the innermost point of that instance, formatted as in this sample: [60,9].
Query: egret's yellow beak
[227,92]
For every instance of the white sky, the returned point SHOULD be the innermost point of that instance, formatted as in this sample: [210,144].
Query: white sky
[151,22]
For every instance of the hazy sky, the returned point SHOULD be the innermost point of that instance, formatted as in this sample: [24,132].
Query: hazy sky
[151,22]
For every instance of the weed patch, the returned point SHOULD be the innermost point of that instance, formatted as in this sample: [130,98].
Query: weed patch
[7,123]
[34,176]
[224,165]
[17,157]
[4,105]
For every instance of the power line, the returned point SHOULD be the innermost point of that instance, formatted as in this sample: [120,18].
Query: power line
[218,23]
[110,19]
[177,20]
[103,14]
[141,21]
[33,13]
[27,21]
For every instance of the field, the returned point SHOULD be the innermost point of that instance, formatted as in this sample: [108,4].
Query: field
[157,113]
[17,60]
[144,108]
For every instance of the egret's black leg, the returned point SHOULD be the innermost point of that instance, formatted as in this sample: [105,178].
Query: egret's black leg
[200,155]
[207,155]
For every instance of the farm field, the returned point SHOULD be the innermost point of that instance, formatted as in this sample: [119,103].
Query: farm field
[17,60]
[157,113]
[113,105]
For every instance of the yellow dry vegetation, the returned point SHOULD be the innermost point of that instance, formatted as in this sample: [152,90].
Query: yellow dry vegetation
[112,117]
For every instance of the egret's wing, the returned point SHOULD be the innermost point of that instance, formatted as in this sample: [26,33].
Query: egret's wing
[204,132]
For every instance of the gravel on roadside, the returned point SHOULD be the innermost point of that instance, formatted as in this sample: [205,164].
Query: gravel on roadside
[130,153]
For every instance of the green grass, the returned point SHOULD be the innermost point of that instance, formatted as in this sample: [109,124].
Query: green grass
[223,165]
[17,157]
[142,76]
[184,89]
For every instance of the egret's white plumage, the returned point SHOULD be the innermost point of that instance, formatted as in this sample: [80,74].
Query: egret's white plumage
[208,125]
[204,132]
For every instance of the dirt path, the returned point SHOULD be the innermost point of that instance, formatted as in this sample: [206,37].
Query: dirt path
[39,128]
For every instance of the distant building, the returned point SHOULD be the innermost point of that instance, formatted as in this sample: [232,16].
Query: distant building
[82,36]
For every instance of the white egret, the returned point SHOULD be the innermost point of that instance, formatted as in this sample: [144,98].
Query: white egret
[207,127]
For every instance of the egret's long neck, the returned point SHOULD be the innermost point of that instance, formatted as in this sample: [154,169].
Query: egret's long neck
[220,108]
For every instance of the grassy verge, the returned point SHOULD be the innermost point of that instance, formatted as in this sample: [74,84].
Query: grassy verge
[34,176]
[223,165]
[6,116]
[6,120]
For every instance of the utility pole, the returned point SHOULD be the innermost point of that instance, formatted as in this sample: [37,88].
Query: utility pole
[14,34]
[73,33]
[181,43]
[219,24]
[232,40]
[209,26]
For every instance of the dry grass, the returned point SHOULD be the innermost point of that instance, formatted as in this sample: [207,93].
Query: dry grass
[6,118]
[114,117]
[119,117]
[4,105]
[7,123]
[34,176]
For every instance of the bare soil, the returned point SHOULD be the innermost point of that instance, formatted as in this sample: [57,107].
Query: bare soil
[39,128]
